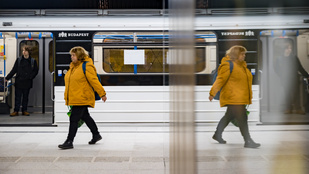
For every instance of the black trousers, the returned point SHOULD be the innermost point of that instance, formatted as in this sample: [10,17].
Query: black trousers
[21,97]
[81,112]
[292,95]
[237,112]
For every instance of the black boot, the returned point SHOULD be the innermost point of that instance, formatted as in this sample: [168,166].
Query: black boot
[251,144]
[68,144]
[95,138]
[218,137]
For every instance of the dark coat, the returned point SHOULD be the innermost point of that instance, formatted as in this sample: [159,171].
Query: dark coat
[24,73]
[287,68]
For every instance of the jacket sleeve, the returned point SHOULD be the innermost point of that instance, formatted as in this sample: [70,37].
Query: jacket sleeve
[91,75]
[223,75]
[35,70]
[13,71]
[301,69]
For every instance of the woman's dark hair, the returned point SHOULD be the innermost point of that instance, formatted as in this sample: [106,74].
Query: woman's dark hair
[286,45]
[27,48]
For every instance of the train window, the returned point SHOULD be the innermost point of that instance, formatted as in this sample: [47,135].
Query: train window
[156,60]
[113,61]
[35,49]
[51,56]
[110,48]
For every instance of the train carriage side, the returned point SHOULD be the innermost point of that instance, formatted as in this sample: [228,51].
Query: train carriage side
[140,93]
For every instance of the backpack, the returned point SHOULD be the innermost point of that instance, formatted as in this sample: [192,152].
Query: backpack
[215,77]
[31,59]
[96,95]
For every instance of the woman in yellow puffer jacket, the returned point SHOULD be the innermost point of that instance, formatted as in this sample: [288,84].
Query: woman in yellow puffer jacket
[236,93]
[79,94]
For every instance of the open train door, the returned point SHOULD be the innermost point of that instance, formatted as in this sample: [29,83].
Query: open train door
[40,97]
[273,96]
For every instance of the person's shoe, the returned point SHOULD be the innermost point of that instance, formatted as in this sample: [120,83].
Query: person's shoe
[300,112]
[218,138]
[25,113]
[251,144]
[13,114]
[68,144]
[95,138]
[288,112]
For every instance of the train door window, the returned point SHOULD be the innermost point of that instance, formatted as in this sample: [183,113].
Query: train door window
[51,56]
[35,49]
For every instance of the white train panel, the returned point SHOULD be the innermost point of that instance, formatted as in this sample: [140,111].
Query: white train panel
[148,104]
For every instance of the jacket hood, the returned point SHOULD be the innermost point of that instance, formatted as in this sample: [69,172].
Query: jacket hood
[88,59]
[226,58]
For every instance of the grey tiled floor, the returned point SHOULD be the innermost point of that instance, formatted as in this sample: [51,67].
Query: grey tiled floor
[34,119]
[144,149]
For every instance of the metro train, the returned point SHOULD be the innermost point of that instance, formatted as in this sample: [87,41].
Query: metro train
[139,91]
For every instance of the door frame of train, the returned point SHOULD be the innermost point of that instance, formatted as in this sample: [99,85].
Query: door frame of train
[271,83]
[48,75]
[272,105]
[43,78]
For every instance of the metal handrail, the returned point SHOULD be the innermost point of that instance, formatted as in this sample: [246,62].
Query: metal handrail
[261,87]
[52,87]
[4,88]
[307,85]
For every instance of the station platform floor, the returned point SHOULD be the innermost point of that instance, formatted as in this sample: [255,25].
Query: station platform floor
[144,149]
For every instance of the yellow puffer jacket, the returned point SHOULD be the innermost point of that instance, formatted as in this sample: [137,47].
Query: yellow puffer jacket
[79,91]
[237,89]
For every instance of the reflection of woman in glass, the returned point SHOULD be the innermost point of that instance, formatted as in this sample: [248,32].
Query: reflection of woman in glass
[236,93]
[287,67]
